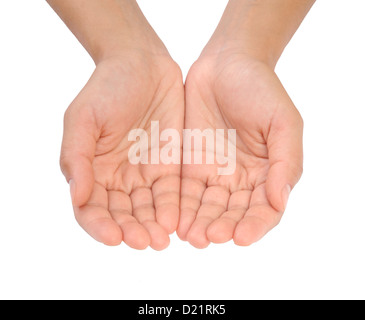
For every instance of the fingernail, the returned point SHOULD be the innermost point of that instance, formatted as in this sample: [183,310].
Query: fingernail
[285,195]
[72,189]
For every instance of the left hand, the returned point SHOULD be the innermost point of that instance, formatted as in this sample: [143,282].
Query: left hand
[233,91]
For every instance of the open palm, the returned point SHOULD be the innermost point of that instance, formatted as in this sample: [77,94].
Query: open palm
[235,92]
[113,199]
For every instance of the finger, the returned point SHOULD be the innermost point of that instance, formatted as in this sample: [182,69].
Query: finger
[144,212]
[77,154]
[120,208]
[286,158]
[214,203]
[191,194]
[96,220]
[166,198]
[222,229]
[259,219]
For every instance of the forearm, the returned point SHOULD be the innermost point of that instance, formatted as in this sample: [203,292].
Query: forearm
[259,28]
[107,27]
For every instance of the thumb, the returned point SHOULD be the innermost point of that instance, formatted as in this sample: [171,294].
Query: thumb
[77,154]
[285,145]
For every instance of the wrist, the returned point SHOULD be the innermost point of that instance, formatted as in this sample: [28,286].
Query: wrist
[108,28]
[128,36]
[245,29]
[136,43]
[223,48]
[259,29]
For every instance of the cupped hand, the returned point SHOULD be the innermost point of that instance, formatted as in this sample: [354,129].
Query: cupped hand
[113,199]
[232,91]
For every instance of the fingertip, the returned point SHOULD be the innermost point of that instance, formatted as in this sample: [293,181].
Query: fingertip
[197,235]
[168,217]
[285,195]
[221,230]
[105,231]
[113,239]
[257,222]
[187,218]
[181,233]
[159,237]
[81,182]
[197,241]
[279,184]
[136,236]
[246,234]
[160,244]
[72,186]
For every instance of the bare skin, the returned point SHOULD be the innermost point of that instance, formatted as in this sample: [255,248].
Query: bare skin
[233,86]
[113,199]
[237,93]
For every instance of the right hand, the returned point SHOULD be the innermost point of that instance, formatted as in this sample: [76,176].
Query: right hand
[114,200]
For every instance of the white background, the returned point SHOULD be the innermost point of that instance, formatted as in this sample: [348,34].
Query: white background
[316,252]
